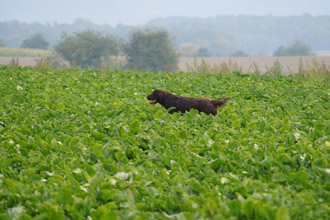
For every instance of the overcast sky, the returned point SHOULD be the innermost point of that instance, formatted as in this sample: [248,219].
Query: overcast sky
[138,12]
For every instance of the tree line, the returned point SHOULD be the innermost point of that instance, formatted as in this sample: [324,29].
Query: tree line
[254,35]
[147,49]
[151,50]
[214,36]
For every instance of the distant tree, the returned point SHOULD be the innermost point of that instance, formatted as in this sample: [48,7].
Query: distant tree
[2,43]
[239,53]
[188,50]
[86,49]
[151,50]
[203,52]
[37,41]
[298,48]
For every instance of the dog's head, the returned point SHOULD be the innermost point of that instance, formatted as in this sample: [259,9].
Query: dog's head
[157,96]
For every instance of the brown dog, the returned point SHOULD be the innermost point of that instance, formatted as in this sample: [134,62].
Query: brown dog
[183,104]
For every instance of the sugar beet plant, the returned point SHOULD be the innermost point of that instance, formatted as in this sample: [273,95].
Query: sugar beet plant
[86,144]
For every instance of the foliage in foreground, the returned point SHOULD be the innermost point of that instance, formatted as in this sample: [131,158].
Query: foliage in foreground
[86,144]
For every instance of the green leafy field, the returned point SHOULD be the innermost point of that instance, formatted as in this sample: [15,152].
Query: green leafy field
[86,144]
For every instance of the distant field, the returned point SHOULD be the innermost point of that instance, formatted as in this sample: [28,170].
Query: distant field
[289,64]
[22,52]
[22,61]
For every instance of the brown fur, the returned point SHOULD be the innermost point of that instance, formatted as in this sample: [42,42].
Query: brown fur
[183,104]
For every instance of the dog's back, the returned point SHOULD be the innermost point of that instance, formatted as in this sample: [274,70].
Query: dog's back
[183,104]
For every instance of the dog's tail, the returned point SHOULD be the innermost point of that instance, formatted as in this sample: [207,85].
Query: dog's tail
[218,103]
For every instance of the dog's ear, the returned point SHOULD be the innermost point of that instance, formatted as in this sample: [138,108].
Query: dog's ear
[160,93]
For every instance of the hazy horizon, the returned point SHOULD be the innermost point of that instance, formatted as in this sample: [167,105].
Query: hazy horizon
[128,12]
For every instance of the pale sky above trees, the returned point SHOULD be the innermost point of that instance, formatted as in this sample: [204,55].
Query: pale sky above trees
[132,12]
